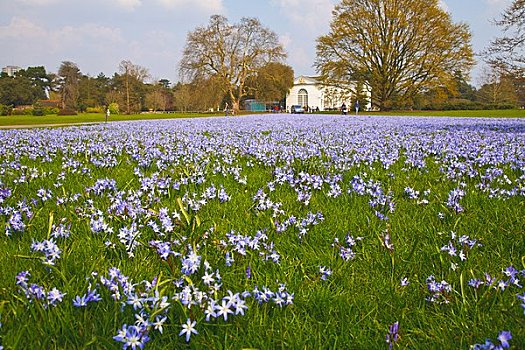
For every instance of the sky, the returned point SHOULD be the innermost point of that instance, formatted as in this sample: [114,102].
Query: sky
[98,34]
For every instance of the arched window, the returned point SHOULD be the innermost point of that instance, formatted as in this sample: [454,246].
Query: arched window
[302,98]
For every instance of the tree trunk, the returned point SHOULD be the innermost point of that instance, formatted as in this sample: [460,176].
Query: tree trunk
[127,94]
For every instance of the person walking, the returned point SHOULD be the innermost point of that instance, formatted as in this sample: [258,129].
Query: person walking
[226,109]
[344,110]
[356,107]
[107,114]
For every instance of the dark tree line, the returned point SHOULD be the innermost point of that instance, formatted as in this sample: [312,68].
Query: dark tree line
[26,87]
[127,91]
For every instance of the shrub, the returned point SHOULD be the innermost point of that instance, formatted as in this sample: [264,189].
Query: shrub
[67,111]
[38,111]
[17,112]
[97,109]
[24,111]
[113,108]
[51,110]
[5,109]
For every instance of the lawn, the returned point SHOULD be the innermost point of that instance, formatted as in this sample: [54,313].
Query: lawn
[29,120]
[81,118]
[264,232]
[493,113]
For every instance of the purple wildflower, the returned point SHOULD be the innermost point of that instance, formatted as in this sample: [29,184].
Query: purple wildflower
[325,272]
[393,334]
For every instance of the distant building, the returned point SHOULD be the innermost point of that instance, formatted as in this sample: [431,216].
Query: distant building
[310,93]
[11,70]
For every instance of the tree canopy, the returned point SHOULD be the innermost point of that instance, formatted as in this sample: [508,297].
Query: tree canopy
[69,74]
[272,82]
[229,53]
[131,79]
[400,48]
[26,87]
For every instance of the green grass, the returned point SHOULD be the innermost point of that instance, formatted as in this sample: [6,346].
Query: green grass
[25,120]
[352,309]
[494,113]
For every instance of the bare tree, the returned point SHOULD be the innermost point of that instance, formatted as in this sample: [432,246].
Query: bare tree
[229,53]
[156,100]
[398,47]
[182,97]
[133,75]
[507,51]
[497,87]
[69,74]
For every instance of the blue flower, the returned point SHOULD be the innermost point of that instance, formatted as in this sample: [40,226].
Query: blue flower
[132,337]
[54,296]
[224,309]
[393,334]
[475,282]
[522,298]
[188,328]
[80,301]
[504,337]
[325,272]
[159,322]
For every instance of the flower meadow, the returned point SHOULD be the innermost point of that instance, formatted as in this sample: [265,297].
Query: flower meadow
[267,231]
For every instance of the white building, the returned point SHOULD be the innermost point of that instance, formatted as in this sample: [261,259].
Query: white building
[309,92]
[10,70]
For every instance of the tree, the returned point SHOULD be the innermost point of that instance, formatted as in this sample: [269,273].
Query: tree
[16,91]
[229,53]
[182,97]
[463,90]
[507,51]
[165,83]
[207,94]
[156,99]
[25,88]
[92,91]
[273,81]
[69,77]
[398,47]
[40,80]
[497,88]
[132,77]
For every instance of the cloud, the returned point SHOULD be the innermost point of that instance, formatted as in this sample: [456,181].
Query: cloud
[38,2]
[302,58]
[129,4]
[312,15]
[21,28]
[31,43]
[24,29]
[308,20]
[209,6]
